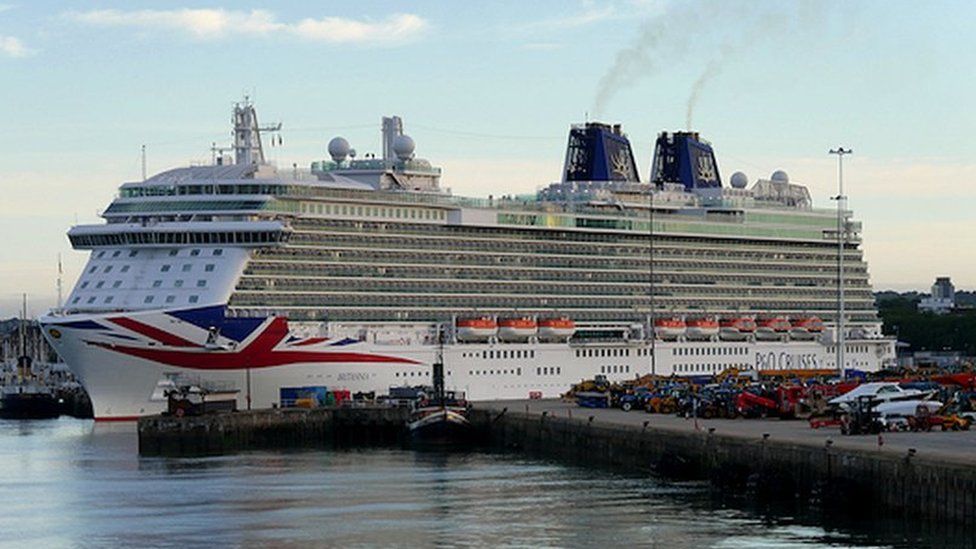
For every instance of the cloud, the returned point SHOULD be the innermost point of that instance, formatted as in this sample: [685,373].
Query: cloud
[589,15]
[13,47]
[212,24]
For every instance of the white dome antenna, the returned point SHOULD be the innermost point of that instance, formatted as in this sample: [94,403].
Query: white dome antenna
[779,176]
[403,147]
[739,180]
[339,149]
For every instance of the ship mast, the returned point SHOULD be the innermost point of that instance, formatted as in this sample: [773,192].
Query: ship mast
[248,148]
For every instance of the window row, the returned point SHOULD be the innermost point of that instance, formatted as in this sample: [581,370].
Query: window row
[710,351]
[141,238]
[372,211]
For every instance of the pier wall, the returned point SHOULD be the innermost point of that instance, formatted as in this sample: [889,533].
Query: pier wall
[269,429]
[905,485]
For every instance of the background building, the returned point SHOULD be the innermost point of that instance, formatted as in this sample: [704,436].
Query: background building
[943,297]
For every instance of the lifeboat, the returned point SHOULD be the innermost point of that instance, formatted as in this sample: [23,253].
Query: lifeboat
[556,328]
[736,328]
[808,327]
[773,328]
[669,328]
[517,328]
[476,328]
[702,328]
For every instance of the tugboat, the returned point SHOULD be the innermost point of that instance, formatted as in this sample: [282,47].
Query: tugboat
[443,419]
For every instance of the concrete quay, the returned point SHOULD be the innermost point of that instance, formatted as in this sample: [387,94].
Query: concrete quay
[270,429]
[916,475]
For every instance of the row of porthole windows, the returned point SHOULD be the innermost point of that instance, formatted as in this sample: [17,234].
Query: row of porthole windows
[709,351]
[615,369]
[511,371]
[513,353]
[372,211]
[850,349]
[548,370]
[201,283]
[413,374]
[147,300]
[187,267]
[133,253]
[602,353]
[709,368]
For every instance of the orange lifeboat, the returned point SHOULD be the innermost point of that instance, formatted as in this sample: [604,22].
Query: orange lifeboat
[736,328]
[702,328]
[556,328]
[476,328]
[517,328]
[669,328]
[773,328]
[808,327]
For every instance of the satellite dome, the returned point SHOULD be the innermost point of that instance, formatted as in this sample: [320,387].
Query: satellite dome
[403,146]
[739,180]
[779,176]
[338,148]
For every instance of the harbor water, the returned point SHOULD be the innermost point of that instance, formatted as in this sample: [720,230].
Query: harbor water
[72,482]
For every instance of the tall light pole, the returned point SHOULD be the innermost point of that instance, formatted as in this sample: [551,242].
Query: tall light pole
[650,235]
[841,239]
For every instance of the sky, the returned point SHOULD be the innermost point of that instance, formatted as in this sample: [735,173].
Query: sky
[488,91]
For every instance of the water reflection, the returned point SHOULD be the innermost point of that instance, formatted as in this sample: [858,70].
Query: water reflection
[70,482]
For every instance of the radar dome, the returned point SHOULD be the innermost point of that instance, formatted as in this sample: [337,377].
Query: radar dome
[739,180]
[339,148]
[403,146]
[779,176]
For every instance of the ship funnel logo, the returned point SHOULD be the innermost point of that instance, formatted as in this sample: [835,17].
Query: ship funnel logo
[622,165]
[706,169]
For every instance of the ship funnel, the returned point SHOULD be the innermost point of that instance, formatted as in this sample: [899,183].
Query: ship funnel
[682,157]
[599,152]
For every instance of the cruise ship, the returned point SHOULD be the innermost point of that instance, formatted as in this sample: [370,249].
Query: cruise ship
[346,274]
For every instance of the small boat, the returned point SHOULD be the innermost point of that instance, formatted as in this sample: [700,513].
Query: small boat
[444,422]
[669,328]
[558,328]
[476,328]
[773,328]
[518,328]
[26,398]
[701,328]
[737,328]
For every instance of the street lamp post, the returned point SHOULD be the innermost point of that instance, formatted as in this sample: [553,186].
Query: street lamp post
[841,240]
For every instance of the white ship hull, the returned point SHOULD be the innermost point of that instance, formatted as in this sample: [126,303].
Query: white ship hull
[125,369]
